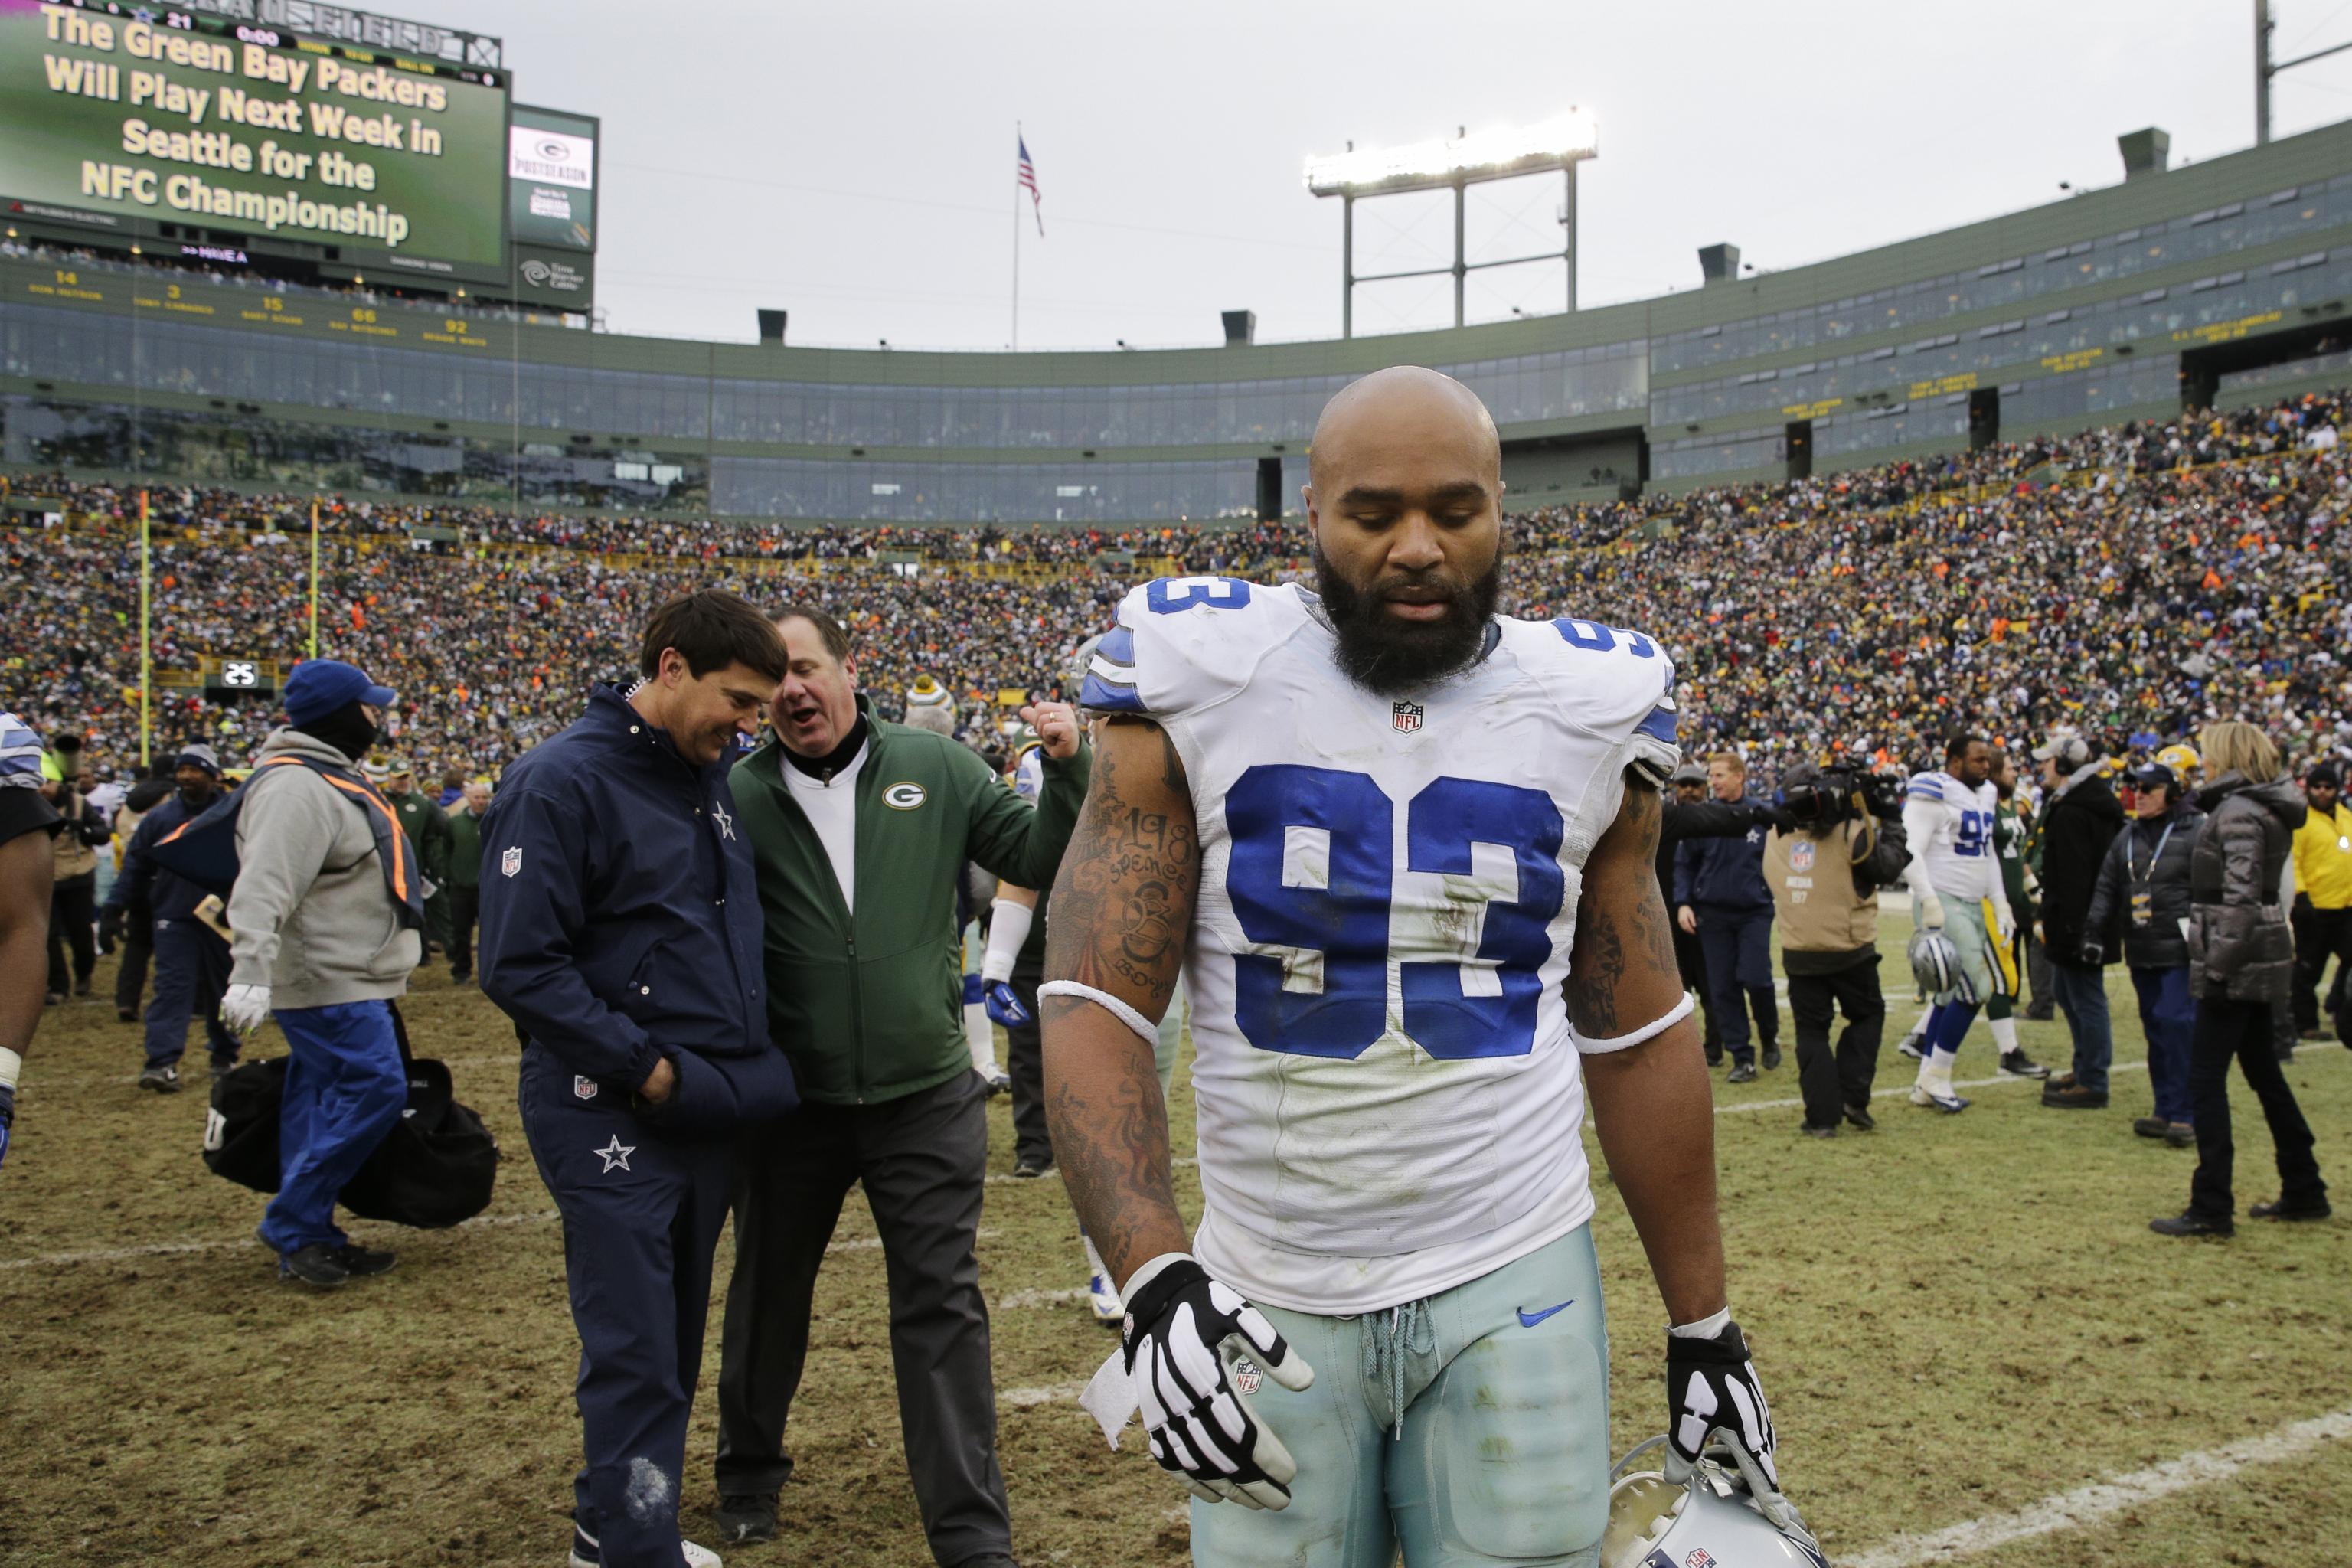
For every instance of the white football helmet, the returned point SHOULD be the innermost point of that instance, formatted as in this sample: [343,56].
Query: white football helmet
[1936,966]
[1727,1516]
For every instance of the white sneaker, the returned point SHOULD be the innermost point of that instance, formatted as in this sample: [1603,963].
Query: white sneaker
[1913,1046]
[1938,1096]
[699,1556]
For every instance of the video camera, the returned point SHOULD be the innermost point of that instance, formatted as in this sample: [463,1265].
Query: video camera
[1841,794]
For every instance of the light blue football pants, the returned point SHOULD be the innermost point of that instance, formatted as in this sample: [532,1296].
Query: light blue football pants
[1502,1456]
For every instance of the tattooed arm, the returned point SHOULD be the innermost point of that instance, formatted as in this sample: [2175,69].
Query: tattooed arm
[1652,1104]
[1122,909]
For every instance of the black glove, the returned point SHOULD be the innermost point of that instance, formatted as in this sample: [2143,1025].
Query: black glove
[2093,954]
[1179,1321]
[110,926]
[1711,1385]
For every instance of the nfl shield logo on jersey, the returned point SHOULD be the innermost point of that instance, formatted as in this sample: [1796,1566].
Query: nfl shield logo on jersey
[1406,717]
[585,1087]
[1800,855]
[511,861]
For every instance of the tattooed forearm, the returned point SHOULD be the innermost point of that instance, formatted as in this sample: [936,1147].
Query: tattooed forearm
[1122,910]
[1110,1136]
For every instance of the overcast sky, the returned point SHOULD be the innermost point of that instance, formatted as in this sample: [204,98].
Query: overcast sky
[854,164]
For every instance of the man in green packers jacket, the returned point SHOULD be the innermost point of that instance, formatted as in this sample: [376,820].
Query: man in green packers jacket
[466,877]
[859,830]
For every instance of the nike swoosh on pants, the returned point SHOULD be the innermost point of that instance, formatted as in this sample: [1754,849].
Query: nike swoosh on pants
[1530,1319]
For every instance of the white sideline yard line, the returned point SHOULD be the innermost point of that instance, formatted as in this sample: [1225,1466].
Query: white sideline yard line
[1022,1300]
[180,1248]
[2075,1510]
[2334,1053]
[1051,1394]
[1905,1088]
[2103,1499]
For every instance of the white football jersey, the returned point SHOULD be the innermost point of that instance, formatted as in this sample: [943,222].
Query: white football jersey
[1388,1091]
[1950,829]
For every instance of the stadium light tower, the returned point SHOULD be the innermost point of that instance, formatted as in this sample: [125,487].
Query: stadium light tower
[1469,159]
[2266,68]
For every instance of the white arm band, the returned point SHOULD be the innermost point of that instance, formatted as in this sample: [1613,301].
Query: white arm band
[1104,999]
[1673,1014]
[1704,1328]
[1008,928]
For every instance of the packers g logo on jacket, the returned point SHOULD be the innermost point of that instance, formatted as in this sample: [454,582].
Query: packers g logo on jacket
[905,795]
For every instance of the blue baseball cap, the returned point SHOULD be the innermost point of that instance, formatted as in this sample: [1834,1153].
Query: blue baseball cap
[319,686]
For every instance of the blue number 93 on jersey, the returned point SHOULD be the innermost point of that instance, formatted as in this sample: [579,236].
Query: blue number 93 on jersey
[1386,909]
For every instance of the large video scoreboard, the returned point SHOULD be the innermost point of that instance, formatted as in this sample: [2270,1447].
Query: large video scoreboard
[133,116]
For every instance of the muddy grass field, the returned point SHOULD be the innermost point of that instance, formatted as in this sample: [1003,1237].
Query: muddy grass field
[1956,1318]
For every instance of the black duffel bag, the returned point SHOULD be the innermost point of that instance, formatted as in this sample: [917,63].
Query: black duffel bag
[436,1167]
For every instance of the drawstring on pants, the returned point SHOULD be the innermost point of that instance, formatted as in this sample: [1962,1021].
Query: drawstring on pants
[1406,1331]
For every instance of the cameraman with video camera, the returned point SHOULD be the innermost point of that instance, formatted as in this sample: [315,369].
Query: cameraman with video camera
[1840,840]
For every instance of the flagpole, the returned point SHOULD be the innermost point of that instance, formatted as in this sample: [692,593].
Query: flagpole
[146,667]
[1016,246]
[314,576]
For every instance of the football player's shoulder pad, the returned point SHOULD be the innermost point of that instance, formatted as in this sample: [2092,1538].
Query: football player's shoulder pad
[1930,785]
[1616,683]
[1183,643]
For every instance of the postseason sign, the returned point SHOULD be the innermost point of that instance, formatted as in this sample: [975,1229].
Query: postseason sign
[551,178]
[167,116]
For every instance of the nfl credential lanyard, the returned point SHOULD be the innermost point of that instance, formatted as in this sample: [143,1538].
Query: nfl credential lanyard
[2143,895]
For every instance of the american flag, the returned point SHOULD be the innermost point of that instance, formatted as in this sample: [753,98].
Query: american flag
[1025,176]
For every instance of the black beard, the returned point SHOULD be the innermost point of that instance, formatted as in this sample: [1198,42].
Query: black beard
[1388,655]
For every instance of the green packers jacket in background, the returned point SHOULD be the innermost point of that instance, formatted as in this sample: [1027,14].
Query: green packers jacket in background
[464,850]
[872,1008]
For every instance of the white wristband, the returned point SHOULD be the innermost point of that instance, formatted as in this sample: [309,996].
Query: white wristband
[1650,1030]
[11,1064]
[1704,1328]
[1151,1268]
[1008,928]
[1110,1004]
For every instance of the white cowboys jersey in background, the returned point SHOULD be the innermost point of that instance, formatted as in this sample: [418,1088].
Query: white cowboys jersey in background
[1388,1098]
[1957,846]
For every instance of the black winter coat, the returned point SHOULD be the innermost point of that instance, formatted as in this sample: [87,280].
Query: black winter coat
[2156,943]
[2076,829]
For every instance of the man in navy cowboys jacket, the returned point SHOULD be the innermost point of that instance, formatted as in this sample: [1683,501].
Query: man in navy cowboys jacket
[621,932]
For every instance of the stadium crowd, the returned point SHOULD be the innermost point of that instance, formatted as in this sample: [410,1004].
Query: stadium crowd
[2129,581]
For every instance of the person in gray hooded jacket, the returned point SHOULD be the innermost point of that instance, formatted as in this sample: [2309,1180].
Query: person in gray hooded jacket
[325,918]
[2240,966]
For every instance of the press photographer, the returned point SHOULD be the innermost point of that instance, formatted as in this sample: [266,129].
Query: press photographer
[1839,840]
